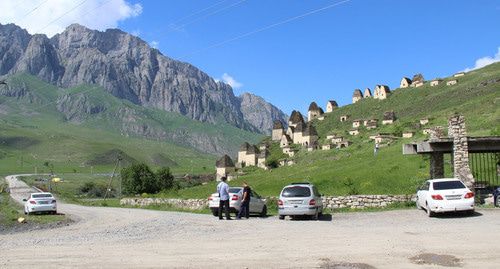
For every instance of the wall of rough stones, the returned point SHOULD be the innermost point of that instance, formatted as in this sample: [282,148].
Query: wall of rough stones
[332,202]
[193,204]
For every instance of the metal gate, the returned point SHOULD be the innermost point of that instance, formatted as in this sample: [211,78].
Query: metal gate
[485,169]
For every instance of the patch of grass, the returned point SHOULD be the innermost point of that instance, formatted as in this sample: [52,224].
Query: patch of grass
[10,211]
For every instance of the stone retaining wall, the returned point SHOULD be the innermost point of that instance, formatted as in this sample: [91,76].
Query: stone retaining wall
[181,203]
[332,202]
[364,201]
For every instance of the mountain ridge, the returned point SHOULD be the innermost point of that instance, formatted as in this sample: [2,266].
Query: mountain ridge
[128,68]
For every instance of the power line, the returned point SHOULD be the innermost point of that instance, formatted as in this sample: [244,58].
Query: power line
[268,27]
[209,15]
[64,14]
[211,46]
[33,10]
[198,12]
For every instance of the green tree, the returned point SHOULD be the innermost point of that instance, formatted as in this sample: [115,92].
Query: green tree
[138,178]
[164,178]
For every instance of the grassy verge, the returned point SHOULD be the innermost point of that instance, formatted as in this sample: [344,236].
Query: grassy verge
[10,211]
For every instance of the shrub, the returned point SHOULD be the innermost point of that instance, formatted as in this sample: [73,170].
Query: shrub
[138,179]
[91,189]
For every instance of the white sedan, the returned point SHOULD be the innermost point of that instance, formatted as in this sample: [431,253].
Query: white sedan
[40,202]
[257,204]
[445,195]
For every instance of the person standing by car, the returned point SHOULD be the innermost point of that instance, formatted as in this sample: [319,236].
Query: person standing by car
[245,202]
[223,190]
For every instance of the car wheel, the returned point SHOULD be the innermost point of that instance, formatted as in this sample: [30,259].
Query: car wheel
[316,216]
[430,214]
[264,212]
[418,205]
[282,217]
[215,212]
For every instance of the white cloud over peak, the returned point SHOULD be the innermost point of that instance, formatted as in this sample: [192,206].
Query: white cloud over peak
[484,61]
[53,16]
[154,44]
[226,78]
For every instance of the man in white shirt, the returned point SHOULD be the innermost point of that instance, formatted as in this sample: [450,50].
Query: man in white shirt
[223,190]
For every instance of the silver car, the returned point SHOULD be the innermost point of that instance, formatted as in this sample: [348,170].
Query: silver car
[300,199]
[257,204]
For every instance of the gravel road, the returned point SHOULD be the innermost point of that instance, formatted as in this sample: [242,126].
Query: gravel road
[135,238]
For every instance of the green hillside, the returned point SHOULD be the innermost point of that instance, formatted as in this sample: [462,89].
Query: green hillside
[355,170]
[84,128]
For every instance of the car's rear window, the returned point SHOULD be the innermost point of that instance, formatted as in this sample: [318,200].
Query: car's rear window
[234,190]
[44,195]
[448,185]
[296,191]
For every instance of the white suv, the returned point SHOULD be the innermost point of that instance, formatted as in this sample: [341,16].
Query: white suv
[300,199]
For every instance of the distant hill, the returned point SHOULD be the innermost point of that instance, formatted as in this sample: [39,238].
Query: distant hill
[85,126]
[128,68]
[356,169]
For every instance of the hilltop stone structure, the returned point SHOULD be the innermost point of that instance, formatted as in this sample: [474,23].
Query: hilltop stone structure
[389,117]
[248,155]
[367,93]
[331,105]
[381,92]
[435,82]
[295,118]
[451,82]
[314,111]
[417,81]
[310,137]
[408,134]
[356,96]
[224,166]
[354,132]
[285,141]
[459,74]
[405,82]
[261,160]
[424,121]
[344,118]
[371,124]
[278,131]
[356,123]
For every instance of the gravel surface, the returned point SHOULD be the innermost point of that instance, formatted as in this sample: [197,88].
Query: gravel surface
[124,238]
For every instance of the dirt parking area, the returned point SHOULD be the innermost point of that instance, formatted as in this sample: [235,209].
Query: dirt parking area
[134,238]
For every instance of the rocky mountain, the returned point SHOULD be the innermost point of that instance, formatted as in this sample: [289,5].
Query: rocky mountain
[260,113]
[128,68]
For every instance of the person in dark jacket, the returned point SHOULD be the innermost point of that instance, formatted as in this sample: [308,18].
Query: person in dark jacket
[245,202]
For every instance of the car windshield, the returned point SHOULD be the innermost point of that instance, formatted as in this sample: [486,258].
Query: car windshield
[448,185]
[296,191]
[42,195]
[234,190]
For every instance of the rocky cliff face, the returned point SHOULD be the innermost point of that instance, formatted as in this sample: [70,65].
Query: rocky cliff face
[260,113]
[129,68]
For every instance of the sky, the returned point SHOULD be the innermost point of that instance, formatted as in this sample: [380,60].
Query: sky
[292,52]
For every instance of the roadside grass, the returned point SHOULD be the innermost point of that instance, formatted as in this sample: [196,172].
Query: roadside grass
[10,211]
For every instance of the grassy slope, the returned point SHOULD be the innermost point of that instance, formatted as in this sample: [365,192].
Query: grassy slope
[33,131]
[389,172]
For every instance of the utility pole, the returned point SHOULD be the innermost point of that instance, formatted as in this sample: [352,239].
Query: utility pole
[108,190]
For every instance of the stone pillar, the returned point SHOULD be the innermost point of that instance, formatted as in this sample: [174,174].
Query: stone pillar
[461,169]
[437,165]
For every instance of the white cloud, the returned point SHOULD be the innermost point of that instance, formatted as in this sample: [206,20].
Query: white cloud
[53,16]
[484,61]
[154,44]
[231,81]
